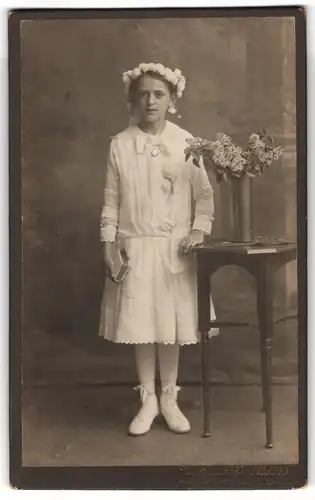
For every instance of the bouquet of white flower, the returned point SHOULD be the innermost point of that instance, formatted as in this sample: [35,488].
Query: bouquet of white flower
[228,160]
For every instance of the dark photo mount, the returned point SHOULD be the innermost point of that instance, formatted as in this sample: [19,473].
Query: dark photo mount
[212,477]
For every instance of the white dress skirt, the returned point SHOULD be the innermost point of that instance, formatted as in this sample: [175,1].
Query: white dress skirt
[149,216]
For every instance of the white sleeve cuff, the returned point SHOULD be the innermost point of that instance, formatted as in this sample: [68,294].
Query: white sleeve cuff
[203,223]
[108,234]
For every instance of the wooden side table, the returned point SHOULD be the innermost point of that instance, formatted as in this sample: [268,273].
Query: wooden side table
[262,261]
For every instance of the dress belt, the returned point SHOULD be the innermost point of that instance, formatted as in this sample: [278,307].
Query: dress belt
[177,231]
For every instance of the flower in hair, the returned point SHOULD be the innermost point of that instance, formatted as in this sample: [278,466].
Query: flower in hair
[176,78]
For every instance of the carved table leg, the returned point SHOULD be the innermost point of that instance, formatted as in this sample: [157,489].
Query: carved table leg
[263,371]
[205,384]
[265,321]
[203,326]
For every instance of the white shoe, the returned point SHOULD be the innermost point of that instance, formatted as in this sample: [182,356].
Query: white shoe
[142,422]
[175,419]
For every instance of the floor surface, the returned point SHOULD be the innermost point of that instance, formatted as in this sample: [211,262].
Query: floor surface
[86,426]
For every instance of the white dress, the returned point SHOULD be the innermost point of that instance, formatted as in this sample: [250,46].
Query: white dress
[151,204]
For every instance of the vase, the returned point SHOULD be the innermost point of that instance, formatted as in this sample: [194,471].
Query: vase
[241,210]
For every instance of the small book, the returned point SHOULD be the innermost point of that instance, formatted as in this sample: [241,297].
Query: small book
[120,266]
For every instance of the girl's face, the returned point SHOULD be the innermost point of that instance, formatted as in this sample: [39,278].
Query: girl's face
[151,99]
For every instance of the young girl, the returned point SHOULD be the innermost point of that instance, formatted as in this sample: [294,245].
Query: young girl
[149,193]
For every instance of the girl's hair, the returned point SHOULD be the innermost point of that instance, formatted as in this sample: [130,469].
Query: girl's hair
[135,83]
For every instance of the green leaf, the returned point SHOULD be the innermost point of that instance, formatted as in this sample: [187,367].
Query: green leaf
[196,163]
[271,139]
[187,156]
[196,155]
[226,177]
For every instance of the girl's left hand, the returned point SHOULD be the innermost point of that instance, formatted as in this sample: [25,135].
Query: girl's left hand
[196,237]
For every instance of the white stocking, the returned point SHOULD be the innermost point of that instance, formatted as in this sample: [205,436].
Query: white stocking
[145,362]
[168,355]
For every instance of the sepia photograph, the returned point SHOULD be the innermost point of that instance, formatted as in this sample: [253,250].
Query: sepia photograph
[158,248]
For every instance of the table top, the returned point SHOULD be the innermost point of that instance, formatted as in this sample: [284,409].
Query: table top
[263,247]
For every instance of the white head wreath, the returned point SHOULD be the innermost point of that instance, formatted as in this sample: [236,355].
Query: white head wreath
[175,78]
